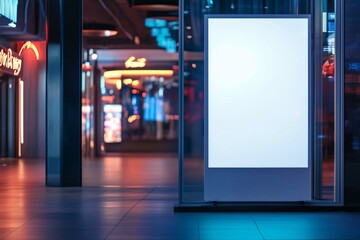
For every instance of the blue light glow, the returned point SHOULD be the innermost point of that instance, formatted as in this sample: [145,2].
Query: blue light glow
[151,23]
[102,85]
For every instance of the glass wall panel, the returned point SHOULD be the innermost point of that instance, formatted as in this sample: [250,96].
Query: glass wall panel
[87,110]
[352,102]
[324,105]
[193,85]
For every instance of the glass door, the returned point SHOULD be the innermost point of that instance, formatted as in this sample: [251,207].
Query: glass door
[324,102]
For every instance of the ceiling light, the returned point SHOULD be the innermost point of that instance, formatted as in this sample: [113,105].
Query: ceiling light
[165,15]
[137,40]
[160,5]
[94,56]
[99,30]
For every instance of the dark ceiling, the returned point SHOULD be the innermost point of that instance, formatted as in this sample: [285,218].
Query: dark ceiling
[128,21]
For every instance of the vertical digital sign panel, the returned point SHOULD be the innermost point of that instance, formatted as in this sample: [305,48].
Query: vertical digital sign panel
[112,123]
[257,108]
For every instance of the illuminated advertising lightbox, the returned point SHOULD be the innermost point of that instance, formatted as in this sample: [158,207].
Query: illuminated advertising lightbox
[257,105]
[112,123]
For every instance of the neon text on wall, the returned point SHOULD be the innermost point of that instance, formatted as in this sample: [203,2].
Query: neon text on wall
[10,62]
[139,63]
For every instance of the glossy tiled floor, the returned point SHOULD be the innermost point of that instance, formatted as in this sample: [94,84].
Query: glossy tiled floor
[142,208]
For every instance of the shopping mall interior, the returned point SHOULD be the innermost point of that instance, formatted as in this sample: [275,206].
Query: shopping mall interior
[110,111]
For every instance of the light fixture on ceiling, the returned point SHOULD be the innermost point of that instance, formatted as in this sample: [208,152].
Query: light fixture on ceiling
[99,30]
[137,40]
[160,5]
[130,36]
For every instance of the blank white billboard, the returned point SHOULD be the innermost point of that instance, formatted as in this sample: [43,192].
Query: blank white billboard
[257,114]
[258,90]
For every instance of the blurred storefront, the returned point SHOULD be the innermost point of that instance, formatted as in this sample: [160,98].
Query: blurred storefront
[22,79]
[131,107]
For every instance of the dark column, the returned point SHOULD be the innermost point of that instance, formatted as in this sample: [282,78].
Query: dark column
[352,103]
[63,123]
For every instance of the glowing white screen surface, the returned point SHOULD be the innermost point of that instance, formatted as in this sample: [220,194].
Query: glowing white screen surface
[258,92]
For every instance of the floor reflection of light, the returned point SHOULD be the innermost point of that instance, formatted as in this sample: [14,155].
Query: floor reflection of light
[13,191]
[21,170]
[131,170]
[112,169]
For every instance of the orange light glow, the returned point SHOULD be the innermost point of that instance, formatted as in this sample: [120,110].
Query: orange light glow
[118,84]
[119,73]
[143,94]
[30,45]
[112,80]
[21,112]
[134,91]
[172,117]
[19,123]
[133,118]
[85,101]
[127,81]
[86,67]
[135,83]
[107,99]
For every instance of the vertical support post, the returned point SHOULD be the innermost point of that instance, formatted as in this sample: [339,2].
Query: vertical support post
[339,107]
[317,11]
[63,93]
[181,102]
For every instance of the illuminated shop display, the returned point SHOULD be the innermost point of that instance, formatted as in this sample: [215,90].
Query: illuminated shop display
[112,123]
[148,99]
